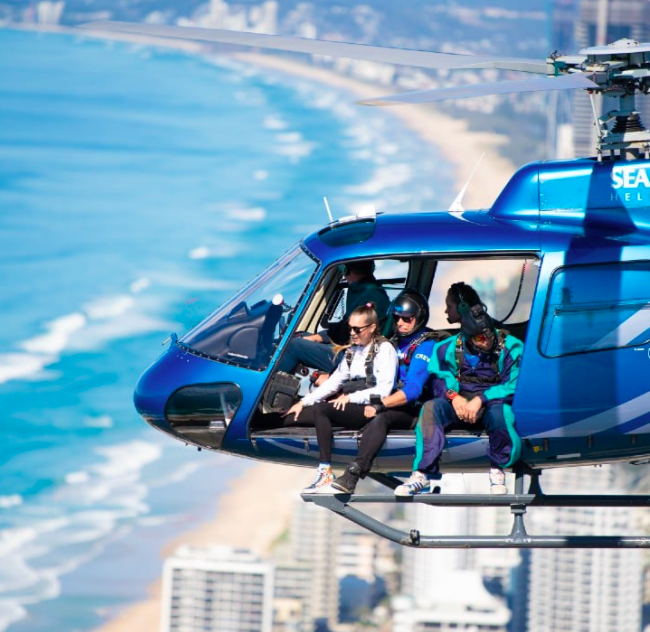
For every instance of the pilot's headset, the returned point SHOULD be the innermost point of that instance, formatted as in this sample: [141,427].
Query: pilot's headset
[462,304]
[411,304]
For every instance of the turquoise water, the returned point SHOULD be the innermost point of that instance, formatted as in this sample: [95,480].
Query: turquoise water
[139,188]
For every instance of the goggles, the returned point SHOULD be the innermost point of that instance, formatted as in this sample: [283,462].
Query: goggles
[407,319]
[482,338]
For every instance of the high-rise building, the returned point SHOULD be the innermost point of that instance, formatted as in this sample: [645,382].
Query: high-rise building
[314,538]
[216,589]
[459,604]
[292,590]
[596,590]
[559,128]
[444,588]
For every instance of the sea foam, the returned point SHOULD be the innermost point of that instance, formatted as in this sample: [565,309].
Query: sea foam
[275,123]
[255,214]
[59,332]
[96,506]
[106,318]
[387,177]
[12,500]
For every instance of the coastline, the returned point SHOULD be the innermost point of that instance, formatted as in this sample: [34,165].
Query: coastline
[462,148]
[256,508]
[459,146]
[245,518]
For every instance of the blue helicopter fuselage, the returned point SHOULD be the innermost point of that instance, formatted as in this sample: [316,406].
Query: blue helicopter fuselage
[583,392]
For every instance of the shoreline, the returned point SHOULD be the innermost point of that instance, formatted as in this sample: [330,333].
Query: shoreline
[255,509]
[456,143]
[259,520]
[465,150]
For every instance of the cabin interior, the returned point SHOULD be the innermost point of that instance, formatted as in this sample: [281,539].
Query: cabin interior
[506,285]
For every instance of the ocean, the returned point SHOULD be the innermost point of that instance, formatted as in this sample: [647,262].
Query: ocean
[139,188]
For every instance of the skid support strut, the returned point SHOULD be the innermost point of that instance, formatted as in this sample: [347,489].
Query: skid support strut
[518,502]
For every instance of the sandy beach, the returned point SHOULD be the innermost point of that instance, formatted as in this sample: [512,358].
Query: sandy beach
[245,518]
[460,147]
[257,524]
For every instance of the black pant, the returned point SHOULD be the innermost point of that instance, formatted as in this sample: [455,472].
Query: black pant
[374,436]
[325,416]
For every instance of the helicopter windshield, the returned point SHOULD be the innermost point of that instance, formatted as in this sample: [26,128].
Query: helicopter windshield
[247,329]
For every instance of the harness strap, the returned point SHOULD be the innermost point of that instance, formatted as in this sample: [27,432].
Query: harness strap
[502,334]
[369,362]
[415,343]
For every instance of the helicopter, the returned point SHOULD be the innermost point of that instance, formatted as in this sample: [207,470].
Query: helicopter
[573,238]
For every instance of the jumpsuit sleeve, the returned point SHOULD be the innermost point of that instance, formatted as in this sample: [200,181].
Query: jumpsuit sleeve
[443,363]
[511,358]
[418,371]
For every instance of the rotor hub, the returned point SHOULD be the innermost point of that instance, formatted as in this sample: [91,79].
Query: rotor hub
[620,71]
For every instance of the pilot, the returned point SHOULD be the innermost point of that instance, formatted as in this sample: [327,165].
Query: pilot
[367,369]
[363,288]
[414,342]
[477,371]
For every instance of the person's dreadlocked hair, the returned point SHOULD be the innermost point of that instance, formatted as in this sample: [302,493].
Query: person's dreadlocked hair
[463,293]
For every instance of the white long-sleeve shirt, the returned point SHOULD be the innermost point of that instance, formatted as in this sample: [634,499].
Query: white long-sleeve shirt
[384,369]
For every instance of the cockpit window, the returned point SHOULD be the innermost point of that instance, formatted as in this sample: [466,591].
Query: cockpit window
[247,329]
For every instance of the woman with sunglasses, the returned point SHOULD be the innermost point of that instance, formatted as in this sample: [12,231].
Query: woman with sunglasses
[367,369]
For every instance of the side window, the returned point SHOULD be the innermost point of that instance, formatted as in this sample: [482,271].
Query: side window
[596,307]
[506,286]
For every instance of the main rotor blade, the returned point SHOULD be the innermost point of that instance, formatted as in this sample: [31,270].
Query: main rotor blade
[404,57]
[564,82]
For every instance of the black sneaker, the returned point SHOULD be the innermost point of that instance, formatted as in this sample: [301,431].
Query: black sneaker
[347,482]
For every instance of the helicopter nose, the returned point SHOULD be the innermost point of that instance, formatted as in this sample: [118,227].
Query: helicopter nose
[176,395]
[151,393]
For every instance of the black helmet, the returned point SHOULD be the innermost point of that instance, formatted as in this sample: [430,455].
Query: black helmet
[476,321]
[410,302]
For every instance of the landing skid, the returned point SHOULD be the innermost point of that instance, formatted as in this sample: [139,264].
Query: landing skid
[518,502]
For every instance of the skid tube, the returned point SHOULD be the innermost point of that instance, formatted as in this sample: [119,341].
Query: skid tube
[518,537]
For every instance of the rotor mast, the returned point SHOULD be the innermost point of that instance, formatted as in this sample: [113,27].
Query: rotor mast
[620,70]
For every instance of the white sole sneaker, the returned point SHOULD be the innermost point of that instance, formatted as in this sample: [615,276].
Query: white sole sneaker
[326,489]
[404,490]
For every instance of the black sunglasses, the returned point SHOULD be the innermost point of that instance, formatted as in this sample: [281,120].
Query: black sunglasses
[407,319]
[358,330]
